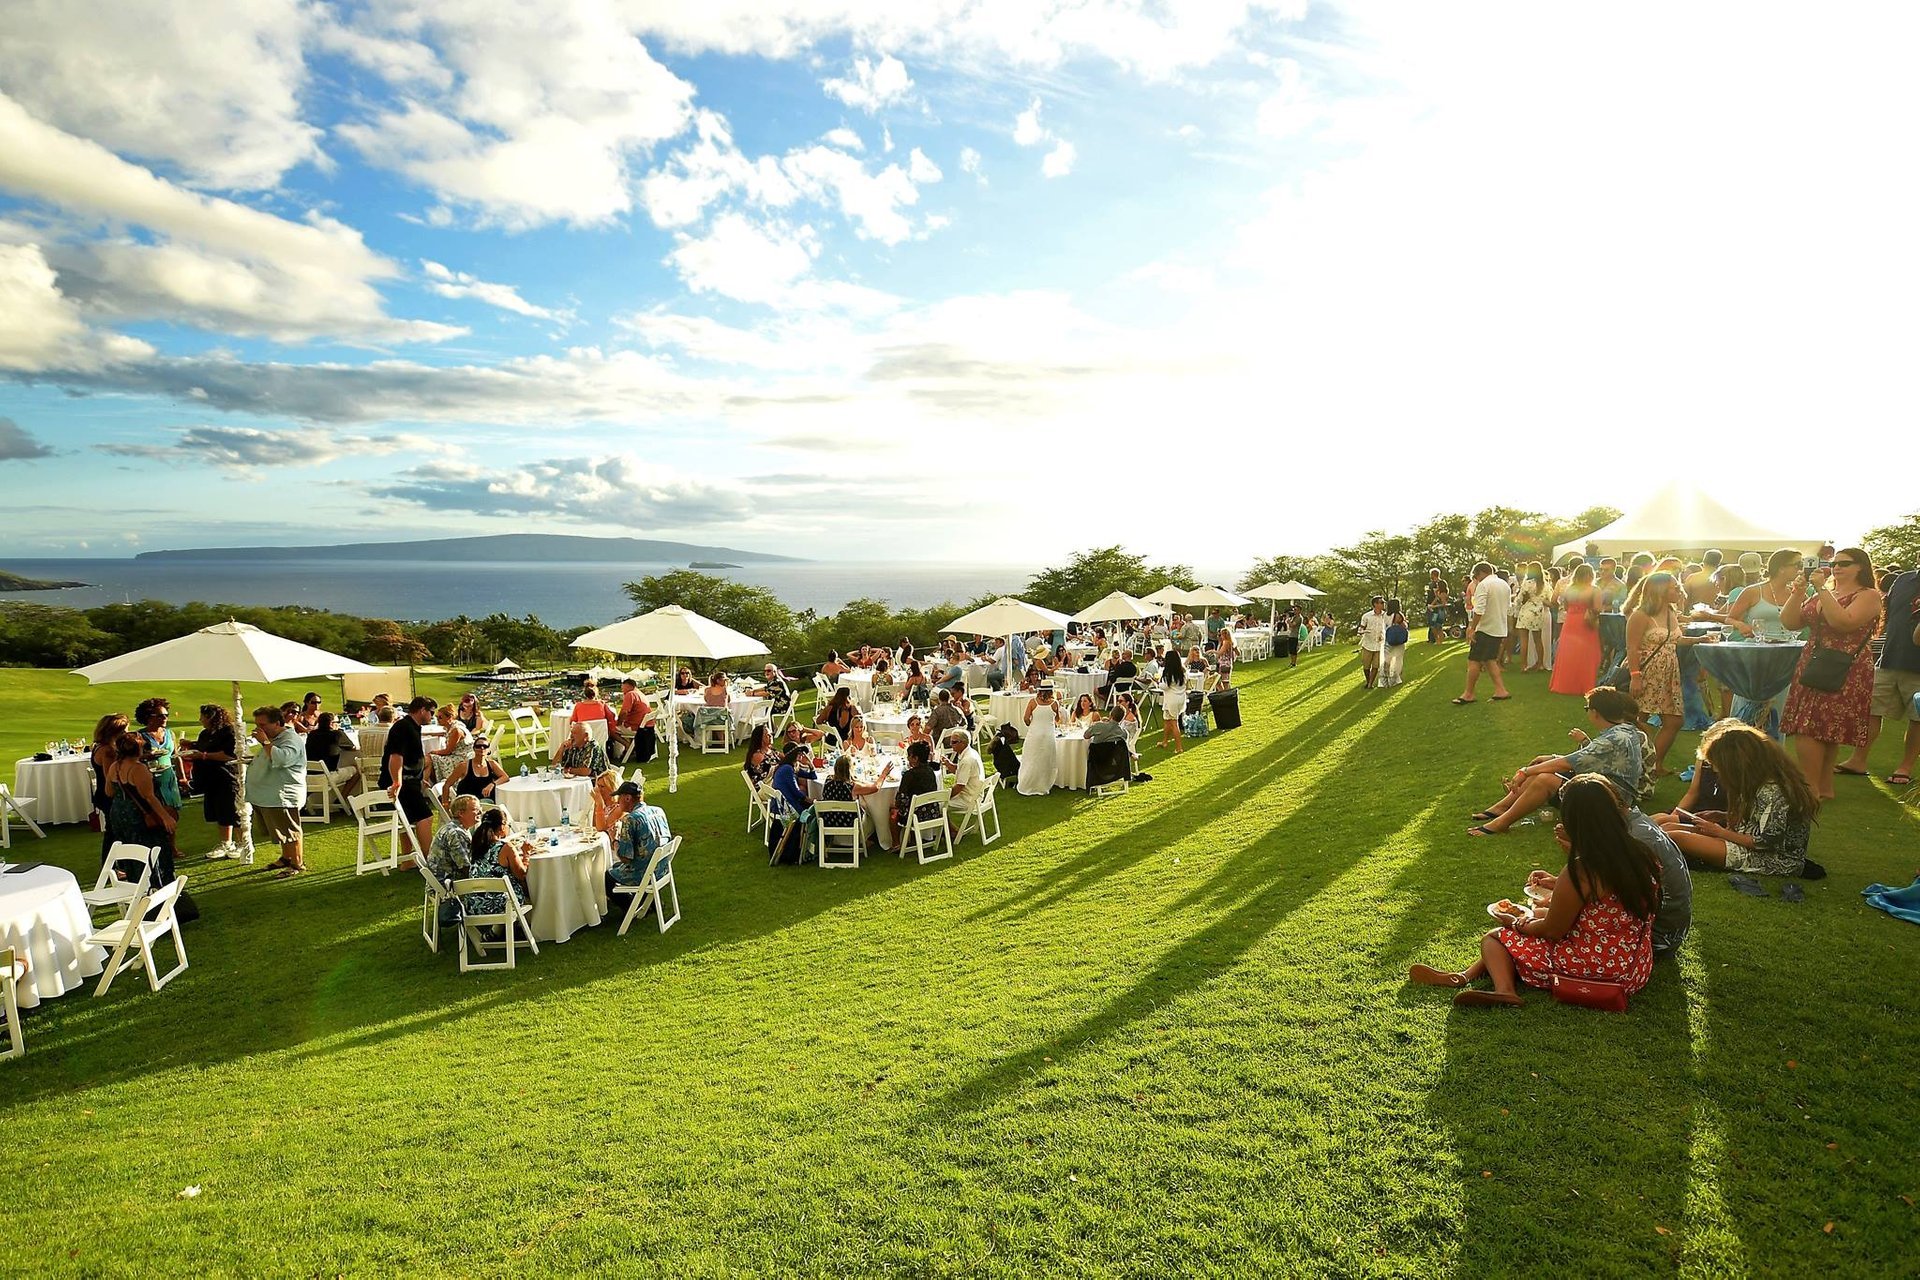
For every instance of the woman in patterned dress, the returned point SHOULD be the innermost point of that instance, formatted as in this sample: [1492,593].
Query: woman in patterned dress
[495,855]
[1598,924]
[1843,615]
[1768,820]
[1654,637]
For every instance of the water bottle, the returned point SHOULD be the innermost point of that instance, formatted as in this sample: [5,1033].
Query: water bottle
[523,771]
[565,821]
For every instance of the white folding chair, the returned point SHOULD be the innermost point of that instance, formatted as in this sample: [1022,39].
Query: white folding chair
[1117,786]
[440,813]
[823,687]
[430,913]
[918,832]
[136,932]
[974,817]
[514,920]
[716,731]
[109,890]
[11,807]
[756,804]
[12,973]
[374,815]
[654,890]
[886,735]
[529,733]
[840,847]
[320,781]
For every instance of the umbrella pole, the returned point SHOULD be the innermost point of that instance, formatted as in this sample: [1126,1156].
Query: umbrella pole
[240,759]
[673,729]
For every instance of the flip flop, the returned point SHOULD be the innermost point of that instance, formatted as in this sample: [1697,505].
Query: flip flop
[1747,885]
[1851,773]
[1485,815]
[1502,697]
[1484,831]
[1487,1000]
[1464,702]
[1428,976]
[1792,892]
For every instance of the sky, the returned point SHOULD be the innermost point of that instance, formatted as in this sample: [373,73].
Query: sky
[948,280]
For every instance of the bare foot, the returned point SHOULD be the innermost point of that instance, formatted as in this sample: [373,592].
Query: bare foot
[1428,976]
[1487,998]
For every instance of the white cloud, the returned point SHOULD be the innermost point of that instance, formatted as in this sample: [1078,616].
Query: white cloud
[1059,161]
[920,169]
[844,138]
[209,88]
[620,490]
[872,84]
[1027,131]
[744,260]
[217,263]
[680,192]
[551,108]
[970,162]
[244,449]
[41,329]
[458,284]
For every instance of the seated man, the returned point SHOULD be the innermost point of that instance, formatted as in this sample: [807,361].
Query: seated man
[643,829]
[634,715]
[1620,753]
[450,856]
[919,779]
[1108,730]
[968,771]
[580,756]
[944,717]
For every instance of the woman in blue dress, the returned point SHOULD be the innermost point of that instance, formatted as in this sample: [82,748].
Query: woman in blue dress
[159,748]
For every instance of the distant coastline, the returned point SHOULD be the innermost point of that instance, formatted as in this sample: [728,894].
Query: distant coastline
[712,564]
[504,548]
[14,582]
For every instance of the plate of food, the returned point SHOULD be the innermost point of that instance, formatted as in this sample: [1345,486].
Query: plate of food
[1506,908]
[1538,896]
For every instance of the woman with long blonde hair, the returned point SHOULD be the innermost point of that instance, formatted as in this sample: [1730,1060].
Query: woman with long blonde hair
[1654,637]
[1770,809]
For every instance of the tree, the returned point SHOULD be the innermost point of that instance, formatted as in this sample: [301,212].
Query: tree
[1895,545]
[1281,568]
[44,635]
[1095,573]
[750,610]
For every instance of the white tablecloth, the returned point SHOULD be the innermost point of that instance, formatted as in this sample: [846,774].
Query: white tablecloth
[740,706]
[45,920]
[568,884]
[532,799]
[63,786]
[560,729]
[1071,684]
[861,683]
[1070,762]
[878,806]
[1010,708]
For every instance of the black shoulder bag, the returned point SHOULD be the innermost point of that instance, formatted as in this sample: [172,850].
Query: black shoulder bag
[1826,668]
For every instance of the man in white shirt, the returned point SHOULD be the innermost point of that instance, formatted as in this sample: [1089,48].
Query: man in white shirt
[969,783]
[1373,638]
[1486,631]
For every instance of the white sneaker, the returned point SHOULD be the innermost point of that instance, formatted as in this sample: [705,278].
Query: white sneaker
[224,851]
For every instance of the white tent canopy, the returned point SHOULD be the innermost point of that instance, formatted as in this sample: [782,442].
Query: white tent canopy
[1168,594]
[1118,606]
[231,651]
[671,632]
[1682,519]
[506,664]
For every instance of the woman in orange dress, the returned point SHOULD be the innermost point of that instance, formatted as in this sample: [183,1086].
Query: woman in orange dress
[1843,615]
[1576,659]
[1598,924]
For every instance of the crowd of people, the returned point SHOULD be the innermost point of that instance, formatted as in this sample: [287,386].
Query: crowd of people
[1751,806]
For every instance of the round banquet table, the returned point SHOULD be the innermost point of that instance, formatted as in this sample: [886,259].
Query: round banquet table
[46,922]
[568,883]
[740,706]
[539,800]
[1070,761]
[1758,674]
[62,786]
[1010,708]
[1071,684]
[879,805]
[861,684]
[560,728]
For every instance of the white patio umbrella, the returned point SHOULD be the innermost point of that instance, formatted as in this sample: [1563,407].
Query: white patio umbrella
[1274,592]
[673,633]
[231,651]
[1118,606]
[1167,595]
[1008,617]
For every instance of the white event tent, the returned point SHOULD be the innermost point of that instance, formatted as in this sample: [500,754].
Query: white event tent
[673,633]
[232,651]
[1682,519]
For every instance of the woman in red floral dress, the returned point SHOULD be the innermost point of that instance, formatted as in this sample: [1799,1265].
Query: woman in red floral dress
[1843,614]
[1599,922]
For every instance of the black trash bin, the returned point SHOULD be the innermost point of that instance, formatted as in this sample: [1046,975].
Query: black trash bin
[1226,708]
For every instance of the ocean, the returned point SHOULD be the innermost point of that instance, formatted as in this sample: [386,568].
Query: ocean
[559,594]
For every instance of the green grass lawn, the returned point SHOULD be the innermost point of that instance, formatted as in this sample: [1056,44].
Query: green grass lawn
[1163,1033]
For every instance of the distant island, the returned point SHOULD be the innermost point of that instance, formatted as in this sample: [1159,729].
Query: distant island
[712,564]
[503,548]
[14,582]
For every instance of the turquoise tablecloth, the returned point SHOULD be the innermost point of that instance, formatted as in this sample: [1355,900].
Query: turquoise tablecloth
[1758,674]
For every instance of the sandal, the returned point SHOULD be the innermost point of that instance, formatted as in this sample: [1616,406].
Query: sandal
[289,872]
[1428,976]
[1484,831]
[1502,697]
[1900,779]
[1851,773]
[1464,702]
[1485,815]
[1487,999]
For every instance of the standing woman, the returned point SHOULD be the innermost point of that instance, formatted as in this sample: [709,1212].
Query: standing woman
[105,734]
[136,812]
[1843,614]
[1530,617]
[1654,637]
[1173,698]
[1224,654]
[1039,758]
[216,759]
[1577,666]
[1393,651]
[159,748]
[1556,579]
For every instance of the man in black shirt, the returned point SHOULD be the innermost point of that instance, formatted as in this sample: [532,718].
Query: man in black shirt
[919,779]
[403,766]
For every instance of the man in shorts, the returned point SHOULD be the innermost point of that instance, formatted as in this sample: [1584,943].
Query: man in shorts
[1373,638]
[277,788]
[403,766]
[1896,681]
[1486,631]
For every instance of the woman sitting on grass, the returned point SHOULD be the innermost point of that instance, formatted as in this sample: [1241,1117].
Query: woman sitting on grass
[1619,753]
[1769,814]
[1598,923]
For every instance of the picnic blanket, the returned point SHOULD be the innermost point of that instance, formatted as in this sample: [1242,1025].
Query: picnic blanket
[1901,903]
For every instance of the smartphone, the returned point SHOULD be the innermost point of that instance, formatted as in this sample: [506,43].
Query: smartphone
[1685,817]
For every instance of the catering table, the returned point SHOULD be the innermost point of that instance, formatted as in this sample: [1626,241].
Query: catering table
[1071,684]
[740,706]
[567,883]
[1070,760]
[62,786]
[1759,674]
[1010,707]
[861,685]
[879,805]
[539,800]
[560,728]
[45,920]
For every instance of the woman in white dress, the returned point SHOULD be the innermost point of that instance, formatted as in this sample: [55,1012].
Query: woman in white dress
[1037,758]
[1173,698]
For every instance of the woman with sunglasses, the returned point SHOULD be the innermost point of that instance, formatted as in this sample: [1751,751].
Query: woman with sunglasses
[1843,612]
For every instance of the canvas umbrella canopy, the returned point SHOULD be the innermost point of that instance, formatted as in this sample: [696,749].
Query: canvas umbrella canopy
[1167,595]
[1118,606]
[1273,593]
[232,651]
[1683,519]
[673,633]
[1008,617]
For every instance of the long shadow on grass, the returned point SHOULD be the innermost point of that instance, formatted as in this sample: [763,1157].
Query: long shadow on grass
[1270,889]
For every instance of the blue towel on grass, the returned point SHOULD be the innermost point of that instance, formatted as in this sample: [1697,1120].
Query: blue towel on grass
[1901,903]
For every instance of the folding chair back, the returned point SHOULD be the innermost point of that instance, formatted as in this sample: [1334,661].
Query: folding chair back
[976,817]
[756,803]
[927,833]
[1107,768]
[151,919]
[512,919]
[839,846]
[656,888]
[375,815]
[109,890]
[11,974]
[430,912]
[320,782]
[529,734]
[12,807]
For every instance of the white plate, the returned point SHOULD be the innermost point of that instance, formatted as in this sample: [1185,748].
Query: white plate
[1535,893]
[1493,909]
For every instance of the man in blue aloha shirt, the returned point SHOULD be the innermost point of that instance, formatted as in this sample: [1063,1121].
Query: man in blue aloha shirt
[643,829]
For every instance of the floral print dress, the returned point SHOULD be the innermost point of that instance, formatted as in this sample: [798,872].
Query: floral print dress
[1657,689]
[1607,943]
[492,904]
[1838,717]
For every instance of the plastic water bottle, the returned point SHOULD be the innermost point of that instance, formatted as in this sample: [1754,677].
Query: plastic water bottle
[523,770]
[565,821]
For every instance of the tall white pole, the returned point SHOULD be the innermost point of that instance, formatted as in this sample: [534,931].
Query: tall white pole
[240,753]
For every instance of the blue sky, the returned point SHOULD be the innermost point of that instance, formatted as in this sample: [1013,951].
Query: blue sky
[941,281]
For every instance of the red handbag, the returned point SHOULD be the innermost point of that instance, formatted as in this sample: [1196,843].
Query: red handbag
[1590,993]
